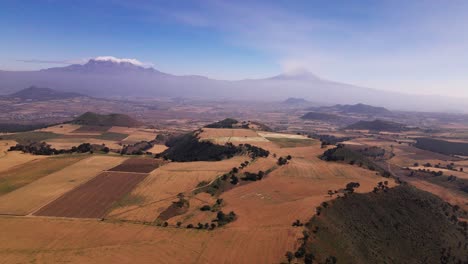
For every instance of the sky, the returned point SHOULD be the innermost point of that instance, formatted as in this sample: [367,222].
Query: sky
[418,46]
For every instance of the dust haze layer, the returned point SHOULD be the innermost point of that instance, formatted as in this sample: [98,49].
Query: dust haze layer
[107,78]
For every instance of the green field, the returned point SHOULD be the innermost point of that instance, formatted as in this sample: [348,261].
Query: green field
[18,177]
[292,142]
[31,136]
[112,136]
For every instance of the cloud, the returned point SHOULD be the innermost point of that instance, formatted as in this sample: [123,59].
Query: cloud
[65,62]
[395,45]
[119,60]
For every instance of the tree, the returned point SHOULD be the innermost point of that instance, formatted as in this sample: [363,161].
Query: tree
[289,256]
[309,258]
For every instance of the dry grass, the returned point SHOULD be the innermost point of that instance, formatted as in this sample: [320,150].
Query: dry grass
[11,159]
[67,143]
[226,132]
[27,240]
[64,129]
[157,149]
[39,192]
[27,173]
[160,188]
[138,136]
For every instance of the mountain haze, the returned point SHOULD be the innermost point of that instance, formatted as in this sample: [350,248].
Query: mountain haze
[105,78]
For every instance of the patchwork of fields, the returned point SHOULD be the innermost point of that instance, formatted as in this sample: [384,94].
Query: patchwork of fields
[95,208]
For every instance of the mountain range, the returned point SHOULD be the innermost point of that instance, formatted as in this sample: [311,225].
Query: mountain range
[106,78]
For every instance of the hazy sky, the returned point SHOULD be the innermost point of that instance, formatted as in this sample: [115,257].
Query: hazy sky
[412,46]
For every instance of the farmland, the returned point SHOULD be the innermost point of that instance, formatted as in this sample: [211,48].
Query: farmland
[141,207]
[40,191]
[94,198]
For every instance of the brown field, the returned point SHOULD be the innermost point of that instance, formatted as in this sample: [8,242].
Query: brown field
[10,159]
[160,188]
[44,240]
[459,174]
[156,149]
[94,198]
[138,136]
[293,191]
[142,165]
[91,129]
[63,129]
[209,133]
[406,156]
[41,191]
[122,130]
[67,143]
[19,176]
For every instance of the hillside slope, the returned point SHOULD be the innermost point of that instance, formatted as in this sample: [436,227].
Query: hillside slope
[401,225]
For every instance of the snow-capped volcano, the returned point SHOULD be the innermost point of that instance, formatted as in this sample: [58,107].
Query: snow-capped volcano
[119,60]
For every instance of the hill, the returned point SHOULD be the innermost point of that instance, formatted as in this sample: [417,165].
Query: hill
[320,116]
[442,146]
[225,123]
[94,119]
[34,93]
[377,125]
[295,101]
[398,225]
[187,147]
[363,109]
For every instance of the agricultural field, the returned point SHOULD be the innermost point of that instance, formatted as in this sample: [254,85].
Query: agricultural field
[138,165]
[10,159]
[51,185]
[161,187]
[124,208]
[94,198]
[19,176]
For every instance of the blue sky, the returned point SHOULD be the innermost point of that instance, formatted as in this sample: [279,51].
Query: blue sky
[410,46]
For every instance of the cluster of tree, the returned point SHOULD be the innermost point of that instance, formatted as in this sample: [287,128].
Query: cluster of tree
[351,186]
[200,226]
[138,148]
[254,151]
[424,171]
[403,217]
[225,123]
[374,152]
[297,223]
[378,125]
[329,139]
[214,208]
[249,176]
[283,160]
[344,154]
[187,147]
[442,146]
[224,219]
[42,148]
[301,252]
[381,186]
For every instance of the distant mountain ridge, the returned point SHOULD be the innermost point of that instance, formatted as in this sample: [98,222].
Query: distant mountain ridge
[355,109]
[34,93]
[106,78]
